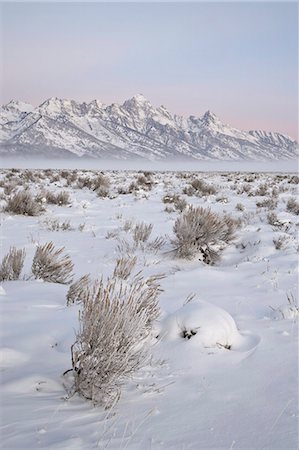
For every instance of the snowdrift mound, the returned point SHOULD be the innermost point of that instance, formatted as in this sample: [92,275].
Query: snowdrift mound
[206,326]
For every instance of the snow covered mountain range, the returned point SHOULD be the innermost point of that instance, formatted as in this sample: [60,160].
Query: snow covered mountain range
[135,129]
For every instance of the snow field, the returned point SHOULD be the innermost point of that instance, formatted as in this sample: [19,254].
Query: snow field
[223,372]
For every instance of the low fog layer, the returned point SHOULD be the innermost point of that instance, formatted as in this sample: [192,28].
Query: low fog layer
[205,166]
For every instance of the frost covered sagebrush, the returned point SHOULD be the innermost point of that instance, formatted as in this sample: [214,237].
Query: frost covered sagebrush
[23,203]
[114,324]
[293,206]
[49,264]
[199,230]
[12,264]
[200,188]
[142,232]
[124,267]
[60,199]
[78,291]
[178,203]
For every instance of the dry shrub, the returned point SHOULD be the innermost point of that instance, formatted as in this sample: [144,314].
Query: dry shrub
[9,188]
[49,264]
[199,188]
[102,192]
[293,206]
[55,225]
[142,232]
[71,177]
[199,230]
[85,181]
[101,185]
[281,242]
[240,207]
[262,190]
[144,182]
[156,245]
[78,291]
[12,264]
[128,225]
[23,203]
[294,179]
[60,199]
[244,189]
[100,181]
[270,203]
[124,267]
[179,203]
[114,324]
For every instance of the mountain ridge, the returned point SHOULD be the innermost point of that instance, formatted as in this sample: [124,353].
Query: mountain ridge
[133,129]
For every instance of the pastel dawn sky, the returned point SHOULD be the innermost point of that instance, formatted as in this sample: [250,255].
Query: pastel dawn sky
[240,60]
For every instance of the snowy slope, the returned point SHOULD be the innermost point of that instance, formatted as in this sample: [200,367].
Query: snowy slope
[133,129]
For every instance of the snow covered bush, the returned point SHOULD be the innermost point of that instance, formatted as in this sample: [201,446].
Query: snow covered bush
[200,188]
[23,203]
[60,199]
[142,232]
[200,231]
[78,291]
[206,325]
[293,206]
[114,324]
[281,242]
[12,265]
[179,203]
[49,264]
[124,267]
[101,181]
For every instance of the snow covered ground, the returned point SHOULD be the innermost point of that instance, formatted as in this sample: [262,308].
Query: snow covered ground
[230,384]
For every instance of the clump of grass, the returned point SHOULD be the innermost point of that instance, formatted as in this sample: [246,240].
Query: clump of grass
[23,203]
[12,264]
[49,264]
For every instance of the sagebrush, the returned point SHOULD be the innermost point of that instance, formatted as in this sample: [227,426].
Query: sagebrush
[114,324]
[24,203]
[50,264]
[12,264]
[199,230]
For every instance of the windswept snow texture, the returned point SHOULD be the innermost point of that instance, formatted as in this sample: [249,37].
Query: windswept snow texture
[224,367]
[134,130]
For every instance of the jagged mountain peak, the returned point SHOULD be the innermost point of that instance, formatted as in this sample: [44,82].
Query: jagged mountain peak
[138,98]
[97,104]
[137,103]
[20,106]
[210,118]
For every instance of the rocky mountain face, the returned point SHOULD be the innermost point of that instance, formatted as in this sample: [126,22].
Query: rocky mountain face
[135,129]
